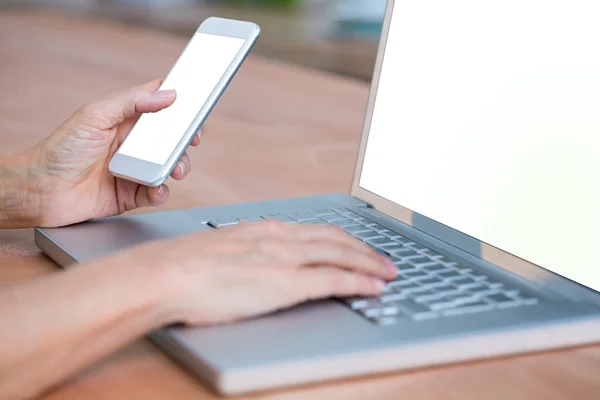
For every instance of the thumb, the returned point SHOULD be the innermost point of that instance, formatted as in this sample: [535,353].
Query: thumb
[113,110]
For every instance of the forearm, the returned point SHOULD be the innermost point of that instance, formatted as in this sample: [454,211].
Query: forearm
[18,203]
[57,325]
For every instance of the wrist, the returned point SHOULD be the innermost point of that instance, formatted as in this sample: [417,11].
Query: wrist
[156,281]
[19,200]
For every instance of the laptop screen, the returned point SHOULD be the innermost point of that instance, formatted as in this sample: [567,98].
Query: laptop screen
[487,120]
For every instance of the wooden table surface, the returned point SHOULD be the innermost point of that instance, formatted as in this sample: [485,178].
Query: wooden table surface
[279,131]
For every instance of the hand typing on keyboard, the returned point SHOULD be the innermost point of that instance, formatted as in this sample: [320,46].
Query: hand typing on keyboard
[428,284]
[255,268]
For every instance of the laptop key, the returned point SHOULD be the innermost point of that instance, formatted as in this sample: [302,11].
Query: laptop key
[406,253]
[380,241]
[279,217]
[390,234]
[431,254]
[502,300]
[438,304]
[430,281]
[404,266]
[446,289]
[417,247]
[332,217]
[348,214]
[315,221]
[510,292]
[415,310]
[433,268]
[495,285]
[409,289]
[476,288]
[462,280]
[352,229]
[414,274]
[342,222]
[447,261]
[470,285]
[366,235]
[301,216]
[370,312]
[448,274]
[462,269]
[357,303]
[468,308]
[221,222]
[529,301]
[376,227]
[479,278]
[392,248]
[389,311]
[402,240]
[419,260]
[325,211]
[387,233]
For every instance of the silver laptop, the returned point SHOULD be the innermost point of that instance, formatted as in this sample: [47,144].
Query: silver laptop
[478,174]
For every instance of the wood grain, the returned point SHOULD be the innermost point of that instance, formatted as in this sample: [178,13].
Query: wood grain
[280,131]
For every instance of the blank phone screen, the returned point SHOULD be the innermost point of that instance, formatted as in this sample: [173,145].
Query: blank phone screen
[194,77]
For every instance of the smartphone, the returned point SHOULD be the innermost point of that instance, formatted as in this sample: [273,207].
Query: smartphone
[200,76]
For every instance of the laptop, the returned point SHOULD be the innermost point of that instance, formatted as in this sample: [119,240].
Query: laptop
[478,173]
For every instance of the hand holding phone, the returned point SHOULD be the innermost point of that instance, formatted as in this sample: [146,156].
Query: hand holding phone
[200,76]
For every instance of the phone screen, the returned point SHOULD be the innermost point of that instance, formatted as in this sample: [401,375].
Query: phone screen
[194,77]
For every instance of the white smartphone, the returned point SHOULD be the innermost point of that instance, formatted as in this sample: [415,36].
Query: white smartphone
[201,74]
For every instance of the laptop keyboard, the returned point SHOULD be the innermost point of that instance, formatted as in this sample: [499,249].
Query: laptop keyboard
[428,285]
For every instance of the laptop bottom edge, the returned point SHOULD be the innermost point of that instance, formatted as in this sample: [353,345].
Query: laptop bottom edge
[403,357]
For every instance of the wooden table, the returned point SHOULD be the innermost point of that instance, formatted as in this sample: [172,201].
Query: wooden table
[279,131]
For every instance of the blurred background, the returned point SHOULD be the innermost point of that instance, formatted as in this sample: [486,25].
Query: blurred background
[339,36]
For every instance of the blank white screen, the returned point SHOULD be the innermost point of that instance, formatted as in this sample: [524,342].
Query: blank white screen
[194,77]
[487,119]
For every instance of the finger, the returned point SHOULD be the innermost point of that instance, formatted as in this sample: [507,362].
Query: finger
[308,232]
[184,165]
[262,229]
[151,197]
[329,234]
[346,257]
[198,137]
[327,281]
[196,140]
[118,107]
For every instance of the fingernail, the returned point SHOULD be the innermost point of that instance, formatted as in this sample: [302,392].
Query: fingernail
[160,190]
[181,167]
[166,94]
[200,133]
[379,284]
